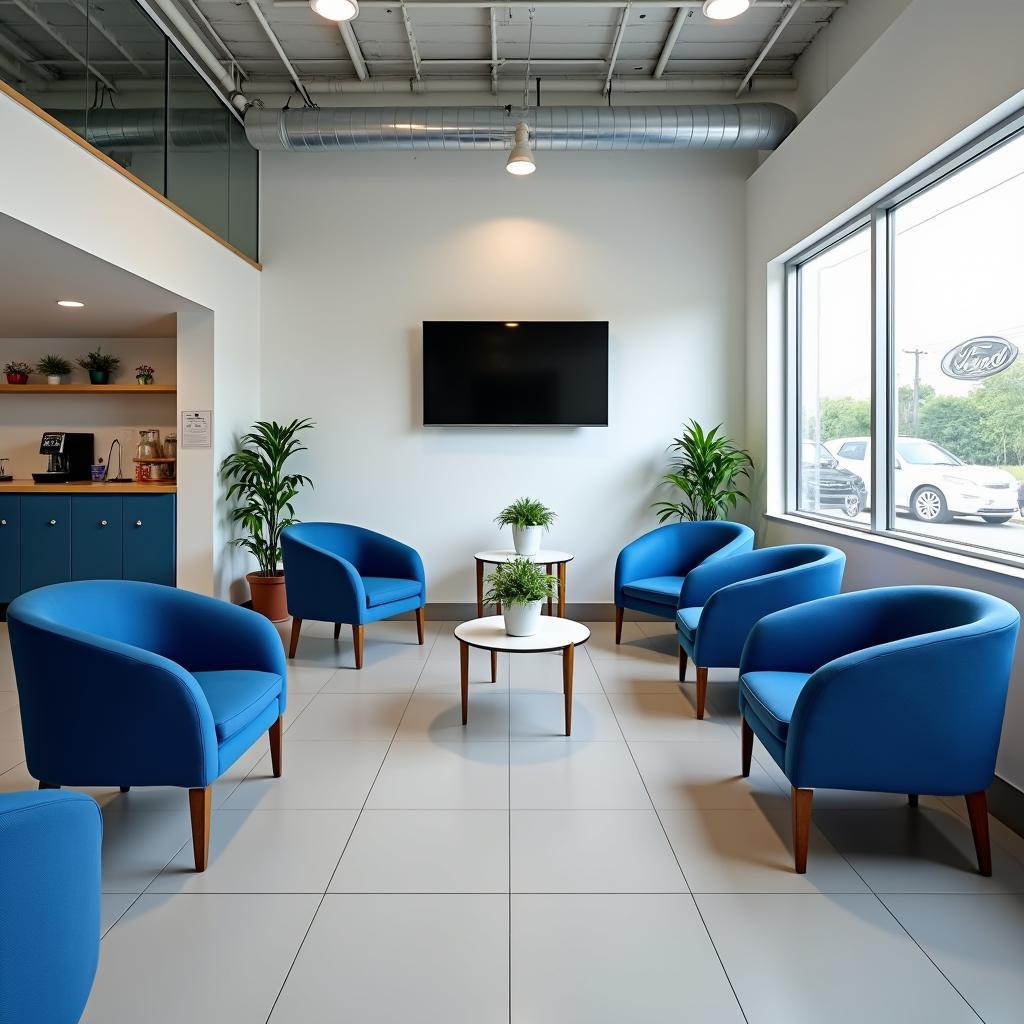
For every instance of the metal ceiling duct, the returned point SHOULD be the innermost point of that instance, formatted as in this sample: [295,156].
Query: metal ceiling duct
[729,126]
[112,129]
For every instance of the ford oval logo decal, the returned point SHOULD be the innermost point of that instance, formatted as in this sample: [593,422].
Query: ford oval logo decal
[978,358]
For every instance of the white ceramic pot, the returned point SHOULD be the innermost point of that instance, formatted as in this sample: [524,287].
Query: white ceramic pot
[527,539]
[522,619]
[53,380]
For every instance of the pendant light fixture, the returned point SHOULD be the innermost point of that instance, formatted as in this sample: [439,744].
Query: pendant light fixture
[335,10]
[520,160]
[723,10]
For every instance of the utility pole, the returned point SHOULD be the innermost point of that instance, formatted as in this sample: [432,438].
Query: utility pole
[916,353]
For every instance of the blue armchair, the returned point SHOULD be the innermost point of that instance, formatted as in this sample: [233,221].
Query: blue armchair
[345,574]
[722,599]
[49,905]
[897,690]
[134,684]
[649,572]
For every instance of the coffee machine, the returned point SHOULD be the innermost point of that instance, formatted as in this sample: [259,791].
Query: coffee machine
[71,457]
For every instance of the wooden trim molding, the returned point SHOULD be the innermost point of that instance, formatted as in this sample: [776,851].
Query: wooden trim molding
[25,102]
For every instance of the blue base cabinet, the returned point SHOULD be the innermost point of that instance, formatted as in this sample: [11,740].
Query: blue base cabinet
[53,538]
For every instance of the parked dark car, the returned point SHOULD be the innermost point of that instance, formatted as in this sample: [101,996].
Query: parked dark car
[825,487]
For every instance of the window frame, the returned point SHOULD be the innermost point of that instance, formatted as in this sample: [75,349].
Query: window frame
[878,216]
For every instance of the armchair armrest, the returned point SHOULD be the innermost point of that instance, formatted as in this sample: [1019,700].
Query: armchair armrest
[321,584]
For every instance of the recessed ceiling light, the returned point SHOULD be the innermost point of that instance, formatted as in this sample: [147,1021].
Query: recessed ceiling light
[70,303]
[723,10]
[511,324]
[335,10]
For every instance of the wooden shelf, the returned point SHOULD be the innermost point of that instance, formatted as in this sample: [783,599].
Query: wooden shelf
[88,389]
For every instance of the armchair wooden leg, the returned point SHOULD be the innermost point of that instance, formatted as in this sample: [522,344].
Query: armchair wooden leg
[746,745]
[977,811]
[618,624]
[276,733]
[702,689]
[49,785]
[358,633]
[200,803]
[126,789]
[912,799]
[682,664]
[802,799]
[296,629]
[420,625]
[337,630]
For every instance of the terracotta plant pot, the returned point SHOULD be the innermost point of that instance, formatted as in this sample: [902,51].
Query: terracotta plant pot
[17,378]
[268,595]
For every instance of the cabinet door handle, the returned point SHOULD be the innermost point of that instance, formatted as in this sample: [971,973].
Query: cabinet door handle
[138,522]
[103,522]
[53,522]
[3,522]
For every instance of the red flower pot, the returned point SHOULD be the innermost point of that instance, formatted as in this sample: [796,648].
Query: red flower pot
[17,378]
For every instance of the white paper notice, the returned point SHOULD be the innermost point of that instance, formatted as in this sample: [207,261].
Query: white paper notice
[196,428]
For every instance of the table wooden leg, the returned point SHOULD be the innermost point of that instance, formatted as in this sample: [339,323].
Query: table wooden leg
[494,666]
[561,590]
[464,667]
[567,661]
[479,589]
[547,569]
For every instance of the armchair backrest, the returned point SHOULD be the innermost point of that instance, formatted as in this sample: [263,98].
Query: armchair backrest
[678,548]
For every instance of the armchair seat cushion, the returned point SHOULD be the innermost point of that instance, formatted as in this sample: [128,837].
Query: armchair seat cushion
[687,620]
[238,697]
[383,590]
[772,696]
[657,589]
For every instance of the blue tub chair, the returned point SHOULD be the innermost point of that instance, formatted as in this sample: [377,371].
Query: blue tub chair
[649,572]
[348,575]
[896,690]
[49,905]
[722,599]
[134,684]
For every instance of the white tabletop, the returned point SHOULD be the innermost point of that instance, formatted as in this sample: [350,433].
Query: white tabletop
[506,555]
[554,634]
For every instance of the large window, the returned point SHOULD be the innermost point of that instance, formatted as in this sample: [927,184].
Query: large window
[905,331]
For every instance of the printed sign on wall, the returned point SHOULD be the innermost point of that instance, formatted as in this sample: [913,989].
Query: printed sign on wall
[197,428]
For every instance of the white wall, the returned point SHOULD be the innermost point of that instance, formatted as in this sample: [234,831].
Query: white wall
[52,184]
[360,249]
[940,72]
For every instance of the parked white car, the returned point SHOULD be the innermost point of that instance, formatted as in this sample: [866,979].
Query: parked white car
[932,483]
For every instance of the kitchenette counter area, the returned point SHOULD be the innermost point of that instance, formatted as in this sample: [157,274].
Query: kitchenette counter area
[86,487]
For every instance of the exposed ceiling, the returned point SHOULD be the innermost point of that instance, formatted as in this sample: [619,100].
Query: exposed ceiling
[37,269]
[572,39]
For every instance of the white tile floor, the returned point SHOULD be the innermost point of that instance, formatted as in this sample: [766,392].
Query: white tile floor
[406,869]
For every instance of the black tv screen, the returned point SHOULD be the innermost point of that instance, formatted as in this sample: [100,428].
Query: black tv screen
[539,373]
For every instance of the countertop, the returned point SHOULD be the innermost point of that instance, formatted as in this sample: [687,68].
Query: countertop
[84,487]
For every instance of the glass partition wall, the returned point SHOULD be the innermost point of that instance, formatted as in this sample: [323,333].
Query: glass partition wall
[108,72]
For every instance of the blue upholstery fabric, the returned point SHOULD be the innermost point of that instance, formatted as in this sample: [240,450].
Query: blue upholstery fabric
[238,698]
[905,693]
[107,679]
[687,620]
[772,696]
[341,573]
[49,905]
[734,593]
[673,551]
[660,589]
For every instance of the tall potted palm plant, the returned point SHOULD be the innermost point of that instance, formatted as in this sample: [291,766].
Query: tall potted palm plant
[706,470]
[263,493]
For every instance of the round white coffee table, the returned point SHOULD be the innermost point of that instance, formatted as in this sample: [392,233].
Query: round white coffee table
[550,559]
[488,634]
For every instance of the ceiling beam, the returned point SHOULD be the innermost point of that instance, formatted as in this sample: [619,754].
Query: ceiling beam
[91,19]
[614,55]
[214,35]
[670,40]
[21,51]
[63,40]
[355,51]
[769,43]
[494,52]
[413,49]
[276,43]
[582,4]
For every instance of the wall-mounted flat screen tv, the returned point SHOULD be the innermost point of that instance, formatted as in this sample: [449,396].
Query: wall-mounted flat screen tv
[530,373]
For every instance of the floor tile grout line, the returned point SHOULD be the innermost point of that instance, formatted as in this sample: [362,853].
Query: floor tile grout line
[675,855]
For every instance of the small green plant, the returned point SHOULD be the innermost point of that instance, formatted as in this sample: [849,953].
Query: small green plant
[519,581]
[18,368]
[53,366]
[706,471]
[99,361]
[144,373]
[526,512]
[265,492]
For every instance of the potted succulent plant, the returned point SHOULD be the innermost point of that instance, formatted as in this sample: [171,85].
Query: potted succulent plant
[264,493]
[521,587]
[100,365]
[144,374]
[53,368]
[528,518]
[17,372]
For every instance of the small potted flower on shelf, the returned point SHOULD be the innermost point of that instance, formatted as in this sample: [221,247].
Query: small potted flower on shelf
[521,587]
[53,368]
[100,365]
[144,374]
[17,372]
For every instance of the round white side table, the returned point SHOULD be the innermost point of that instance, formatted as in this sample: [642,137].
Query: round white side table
[488,634]
[550,559]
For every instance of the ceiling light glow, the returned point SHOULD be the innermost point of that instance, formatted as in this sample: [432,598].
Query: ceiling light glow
[520,159]
[335,10]
[70,303]
[723,10]
[511,324]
